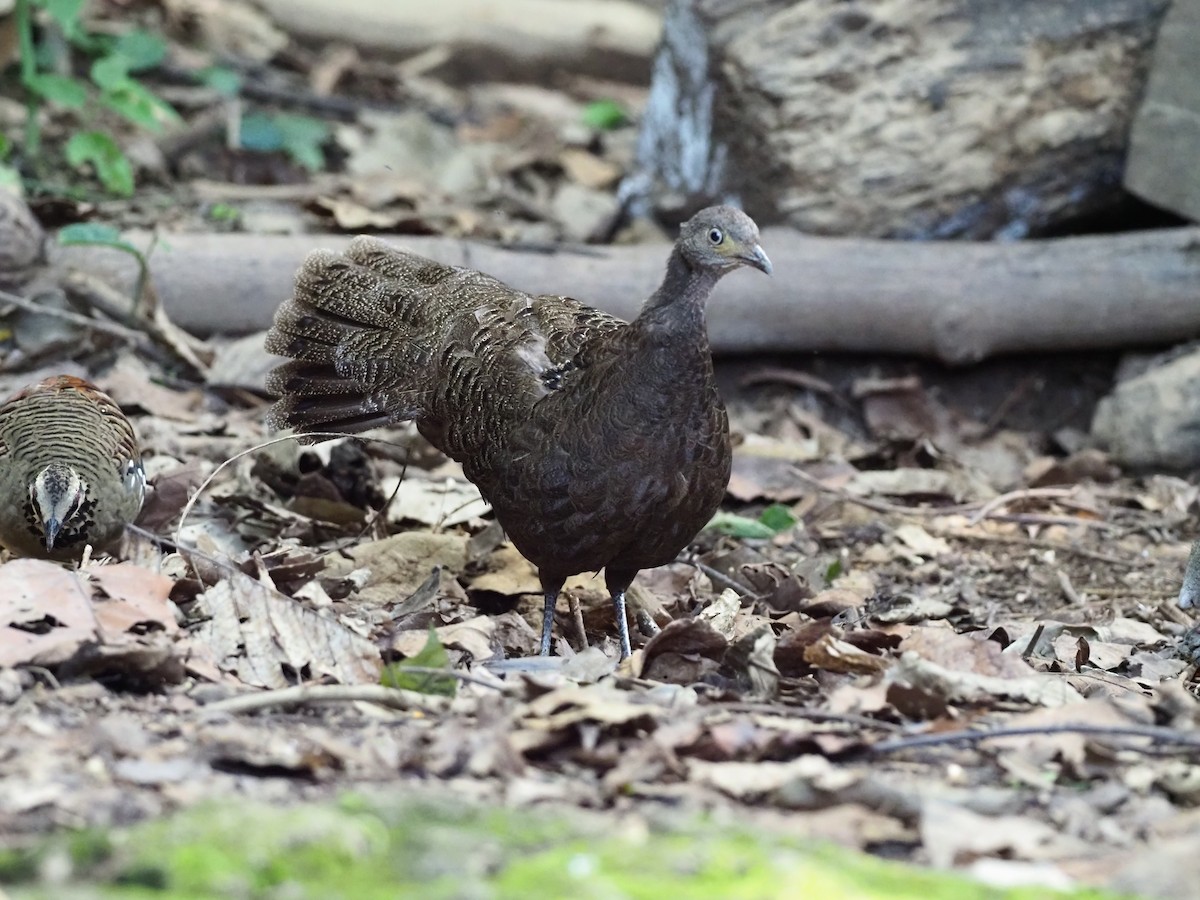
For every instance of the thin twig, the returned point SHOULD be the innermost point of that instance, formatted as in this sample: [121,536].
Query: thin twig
[112,329]
[1041,545]
[1068,589]
[1043,519]
[394,698]
[1033,641]
[577,618]
[813,715]
[724,580]
[1046,493]
[466,677]
[883,505]
[181,346]
[1154,733]
[646,624]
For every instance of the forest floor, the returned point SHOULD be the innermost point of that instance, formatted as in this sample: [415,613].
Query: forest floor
[931,622]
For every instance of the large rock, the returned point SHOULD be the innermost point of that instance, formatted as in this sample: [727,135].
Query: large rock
[1166,132]
[1152,420]
[911,118]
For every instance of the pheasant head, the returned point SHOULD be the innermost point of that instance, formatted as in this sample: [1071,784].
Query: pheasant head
[59,502]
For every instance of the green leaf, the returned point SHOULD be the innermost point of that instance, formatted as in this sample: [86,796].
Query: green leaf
[777,517]
[58,89]
[10,178]
[739,526]
[140,49]
[98,235]
[834,570]
[139,105]
[300,137]
[260,133]
[110,71]
[224,81]
[6,146]
[97,148]
[65,12]
[432,656]
[89,233]
[224,213]
[604,115]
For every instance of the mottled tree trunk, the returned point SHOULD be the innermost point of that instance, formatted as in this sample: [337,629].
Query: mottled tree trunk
[895,118]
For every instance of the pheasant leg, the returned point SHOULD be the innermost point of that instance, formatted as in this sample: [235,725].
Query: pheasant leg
[618,582]
[551,587]
[618,601]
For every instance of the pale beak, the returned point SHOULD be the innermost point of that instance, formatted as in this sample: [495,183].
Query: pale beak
[756,257]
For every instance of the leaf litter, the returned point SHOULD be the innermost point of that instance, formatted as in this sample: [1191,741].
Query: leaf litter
[910,631]
[797,658]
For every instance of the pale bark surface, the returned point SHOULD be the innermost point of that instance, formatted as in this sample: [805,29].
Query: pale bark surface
[1162,143]
[526,38]
[957,302]
[931,118]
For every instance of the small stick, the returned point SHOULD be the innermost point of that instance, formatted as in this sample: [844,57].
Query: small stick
[1040,545]
[577,615]
[394,698]
[465,677]
[724,580]
[112,329]
[1155,734]
[1068,589]
[1033,640]
[646,624]
[1024,494]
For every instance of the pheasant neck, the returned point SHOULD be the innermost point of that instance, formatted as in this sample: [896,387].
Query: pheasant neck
[676,309]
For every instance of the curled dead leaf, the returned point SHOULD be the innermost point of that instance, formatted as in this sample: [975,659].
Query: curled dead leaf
[834,655]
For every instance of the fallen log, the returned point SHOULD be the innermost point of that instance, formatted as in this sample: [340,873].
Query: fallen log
[952,301]
[489,38]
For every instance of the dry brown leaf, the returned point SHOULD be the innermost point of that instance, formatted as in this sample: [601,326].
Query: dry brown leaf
[749,780]
[508,573]
[400,564]
[956,486]
[955,836]
[920,541]
[136,596]
[947,648]
[45,613]
[588,169]
[355,217]
[721,612]
[129,383]
[596,703]
[1071,747]
[257,632]
[834,655]
[443,503]
[969,687]
[683,652]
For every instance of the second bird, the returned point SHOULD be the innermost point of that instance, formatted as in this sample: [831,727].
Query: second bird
[599,443]
[70,471]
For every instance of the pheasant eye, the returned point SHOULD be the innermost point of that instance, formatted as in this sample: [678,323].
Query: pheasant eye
[715,236]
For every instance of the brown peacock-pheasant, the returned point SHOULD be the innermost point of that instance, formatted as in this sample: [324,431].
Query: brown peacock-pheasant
[70,470]
[600,444]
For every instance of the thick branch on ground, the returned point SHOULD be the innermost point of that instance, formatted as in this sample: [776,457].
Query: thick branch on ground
[957,302]
[529,38]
